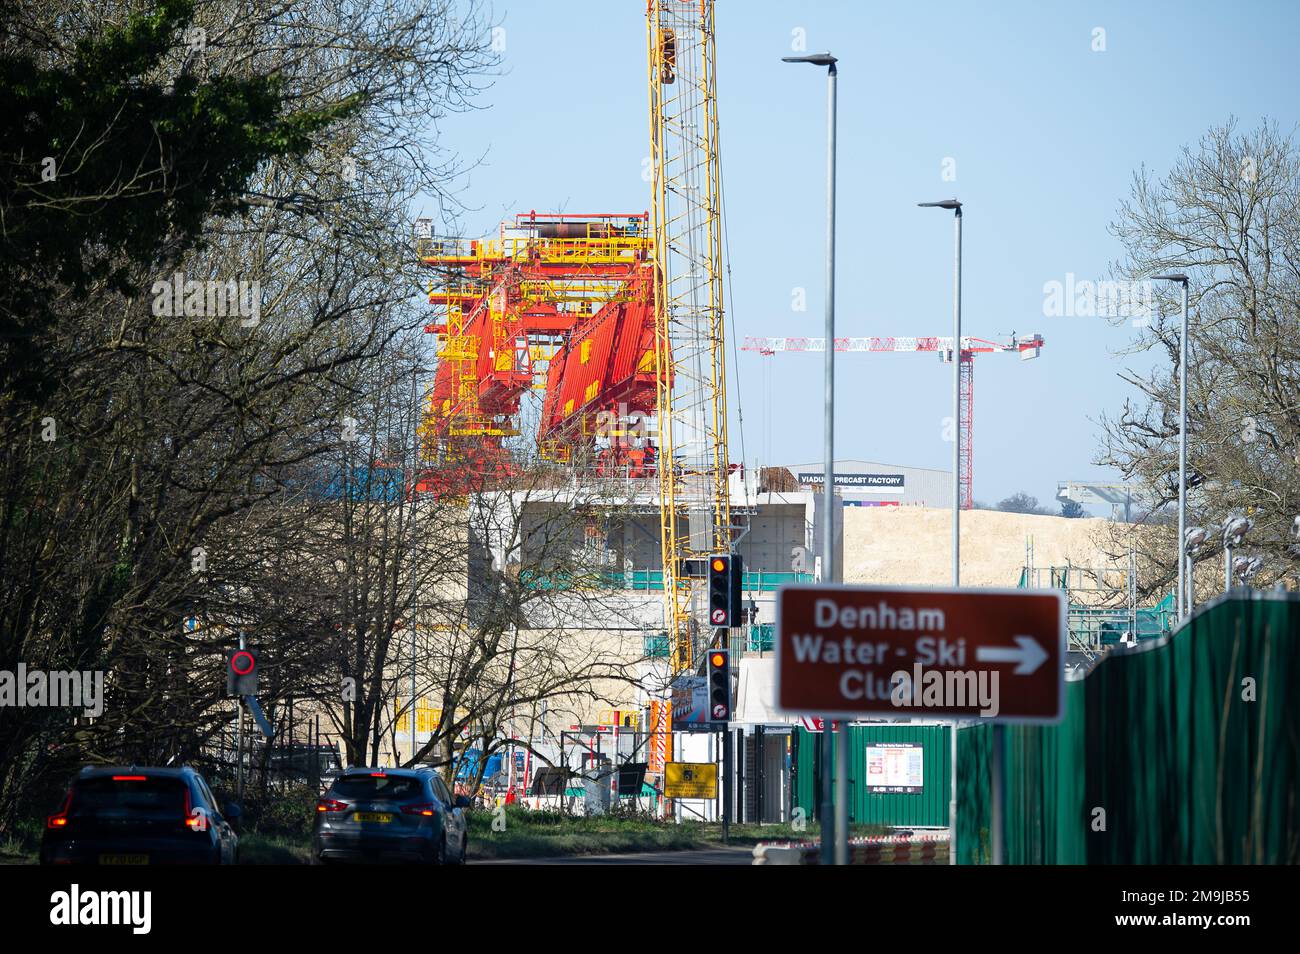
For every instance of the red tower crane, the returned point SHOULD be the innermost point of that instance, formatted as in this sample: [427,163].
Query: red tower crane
[1027,347]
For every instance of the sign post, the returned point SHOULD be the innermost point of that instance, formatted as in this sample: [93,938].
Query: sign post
[998,793]
[905,652]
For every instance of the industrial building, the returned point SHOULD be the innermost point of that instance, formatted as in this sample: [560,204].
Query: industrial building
[865,483]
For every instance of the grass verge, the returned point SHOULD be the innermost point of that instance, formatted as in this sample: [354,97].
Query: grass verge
[526,834]
[256,848]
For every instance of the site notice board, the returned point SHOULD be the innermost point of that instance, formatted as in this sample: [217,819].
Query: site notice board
[909,652]
[691,780]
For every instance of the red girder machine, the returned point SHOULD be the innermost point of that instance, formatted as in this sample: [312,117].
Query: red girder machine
[564,298]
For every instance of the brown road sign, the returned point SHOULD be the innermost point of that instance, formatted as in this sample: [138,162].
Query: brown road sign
[908,652]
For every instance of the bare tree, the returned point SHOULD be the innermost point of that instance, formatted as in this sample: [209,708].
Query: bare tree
[543,622]
[1228,215]
[182,426]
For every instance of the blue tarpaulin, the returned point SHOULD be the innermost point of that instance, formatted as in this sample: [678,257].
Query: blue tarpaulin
[467,766]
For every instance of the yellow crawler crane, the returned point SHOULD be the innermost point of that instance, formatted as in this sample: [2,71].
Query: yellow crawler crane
[689,341]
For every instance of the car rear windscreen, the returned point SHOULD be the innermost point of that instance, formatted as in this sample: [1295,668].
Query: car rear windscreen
[379,786]
[144,795]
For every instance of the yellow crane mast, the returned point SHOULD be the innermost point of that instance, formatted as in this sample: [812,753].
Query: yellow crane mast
[695,509]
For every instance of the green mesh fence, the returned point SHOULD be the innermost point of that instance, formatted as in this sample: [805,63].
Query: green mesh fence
[1168,741]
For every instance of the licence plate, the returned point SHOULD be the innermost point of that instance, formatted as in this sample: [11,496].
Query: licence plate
[123,859]
[382,817]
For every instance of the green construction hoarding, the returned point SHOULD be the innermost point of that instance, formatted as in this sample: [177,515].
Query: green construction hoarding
[899,777]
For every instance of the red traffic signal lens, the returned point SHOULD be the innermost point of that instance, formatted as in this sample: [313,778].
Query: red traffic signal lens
[718,659]
[719,564]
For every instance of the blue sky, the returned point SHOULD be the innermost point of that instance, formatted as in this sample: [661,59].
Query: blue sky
[1045,134]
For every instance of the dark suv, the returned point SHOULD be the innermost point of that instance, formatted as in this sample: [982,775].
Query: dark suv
[139,816]
[390,815]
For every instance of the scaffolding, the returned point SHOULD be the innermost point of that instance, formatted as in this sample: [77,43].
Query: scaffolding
[1102,603]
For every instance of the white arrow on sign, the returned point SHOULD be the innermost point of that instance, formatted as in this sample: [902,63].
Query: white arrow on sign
[1028,657]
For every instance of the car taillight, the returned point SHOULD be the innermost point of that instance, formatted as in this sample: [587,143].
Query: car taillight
[424,808]
[330,805]
[60,818]
[193,822]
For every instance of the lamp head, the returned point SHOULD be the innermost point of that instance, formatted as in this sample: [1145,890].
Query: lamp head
[1235,529]
[816,59]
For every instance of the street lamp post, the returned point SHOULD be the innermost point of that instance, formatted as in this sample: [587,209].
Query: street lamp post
[413,481]
[955,207]
[1181,279]
[1235,529]
[832,793]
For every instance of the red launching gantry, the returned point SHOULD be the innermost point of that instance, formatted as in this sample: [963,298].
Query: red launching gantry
[564,299]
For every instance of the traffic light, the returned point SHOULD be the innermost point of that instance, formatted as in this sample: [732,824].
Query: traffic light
[719,685]
[241,672]
[726,607]
[720,590]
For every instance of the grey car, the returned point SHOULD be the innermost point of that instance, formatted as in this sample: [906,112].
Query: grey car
[390,815]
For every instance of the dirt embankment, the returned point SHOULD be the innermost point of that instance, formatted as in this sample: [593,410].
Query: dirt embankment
[912,545]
